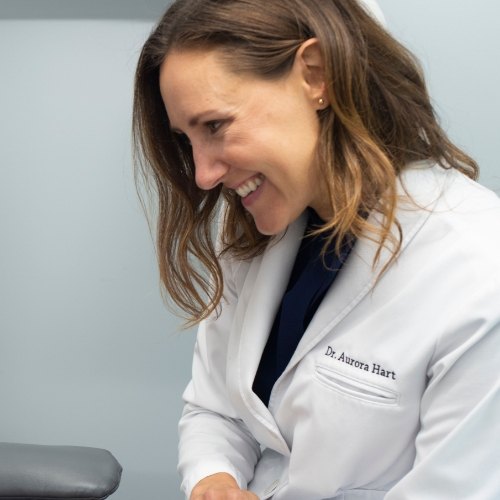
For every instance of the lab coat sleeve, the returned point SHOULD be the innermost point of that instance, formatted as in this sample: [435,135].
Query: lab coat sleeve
[458,455]
[212,437]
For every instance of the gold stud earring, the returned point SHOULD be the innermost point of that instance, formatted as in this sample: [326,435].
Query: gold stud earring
[321,101]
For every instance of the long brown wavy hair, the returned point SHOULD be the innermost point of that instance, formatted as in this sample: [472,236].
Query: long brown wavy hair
[380,118]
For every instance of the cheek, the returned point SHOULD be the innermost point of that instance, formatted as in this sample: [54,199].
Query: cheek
[276,146]
[300,134]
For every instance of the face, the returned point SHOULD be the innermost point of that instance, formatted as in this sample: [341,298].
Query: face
[254,136]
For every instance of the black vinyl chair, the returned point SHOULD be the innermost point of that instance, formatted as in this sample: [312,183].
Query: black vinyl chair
[40,472]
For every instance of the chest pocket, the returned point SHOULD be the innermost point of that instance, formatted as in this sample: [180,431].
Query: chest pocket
[356,388]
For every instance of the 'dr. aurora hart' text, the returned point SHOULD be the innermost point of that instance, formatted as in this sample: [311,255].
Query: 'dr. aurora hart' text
[361,365]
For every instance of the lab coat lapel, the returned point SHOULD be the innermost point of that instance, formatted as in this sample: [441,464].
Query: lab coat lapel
[355,280]
[258,302]
[358,276]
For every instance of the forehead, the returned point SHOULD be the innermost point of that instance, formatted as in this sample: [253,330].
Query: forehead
[192,61]
[184,69]
[196,78]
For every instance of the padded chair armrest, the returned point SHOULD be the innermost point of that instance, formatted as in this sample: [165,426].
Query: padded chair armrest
[38,472]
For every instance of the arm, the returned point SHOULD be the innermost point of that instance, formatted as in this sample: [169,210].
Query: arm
[211,443]
[213,439]
[458,455]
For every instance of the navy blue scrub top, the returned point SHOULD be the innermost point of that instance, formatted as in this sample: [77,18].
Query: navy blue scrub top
[311,277]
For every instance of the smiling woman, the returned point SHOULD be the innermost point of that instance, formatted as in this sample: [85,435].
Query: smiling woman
[374,110]
[296,155]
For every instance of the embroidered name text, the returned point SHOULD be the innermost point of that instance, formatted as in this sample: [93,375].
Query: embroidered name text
[374,368]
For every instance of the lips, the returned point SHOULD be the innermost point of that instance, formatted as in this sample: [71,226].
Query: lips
[249,186]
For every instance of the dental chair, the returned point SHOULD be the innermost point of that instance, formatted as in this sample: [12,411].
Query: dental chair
[40,472]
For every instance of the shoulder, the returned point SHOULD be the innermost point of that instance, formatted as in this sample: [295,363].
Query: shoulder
[468,210]
[461,235]
[454,257]
[428,183]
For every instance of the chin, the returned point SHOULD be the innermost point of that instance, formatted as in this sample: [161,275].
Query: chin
[270,227]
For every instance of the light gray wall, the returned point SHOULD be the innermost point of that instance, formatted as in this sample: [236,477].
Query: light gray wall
[88,354]
[133,10]
[458,43]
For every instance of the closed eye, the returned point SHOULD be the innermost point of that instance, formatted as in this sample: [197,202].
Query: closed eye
[213,126]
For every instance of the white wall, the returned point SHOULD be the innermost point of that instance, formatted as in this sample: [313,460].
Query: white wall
[88,354]
[458,43]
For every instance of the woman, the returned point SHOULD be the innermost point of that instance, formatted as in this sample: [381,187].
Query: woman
[316,221]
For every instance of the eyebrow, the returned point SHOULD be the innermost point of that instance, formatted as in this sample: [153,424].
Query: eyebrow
[196,118]
[193,121]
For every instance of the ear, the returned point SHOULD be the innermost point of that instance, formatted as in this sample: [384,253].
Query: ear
[309,59]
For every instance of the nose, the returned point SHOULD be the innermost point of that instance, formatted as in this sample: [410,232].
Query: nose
[209,167]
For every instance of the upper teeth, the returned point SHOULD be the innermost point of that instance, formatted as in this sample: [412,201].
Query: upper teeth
[249,186]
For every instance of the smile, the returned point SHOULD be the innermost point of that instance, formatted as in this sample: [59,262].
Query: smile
[249,186]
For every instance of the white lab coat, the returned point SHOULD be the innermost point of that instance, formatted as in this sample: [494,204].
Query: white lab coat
[393,391]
